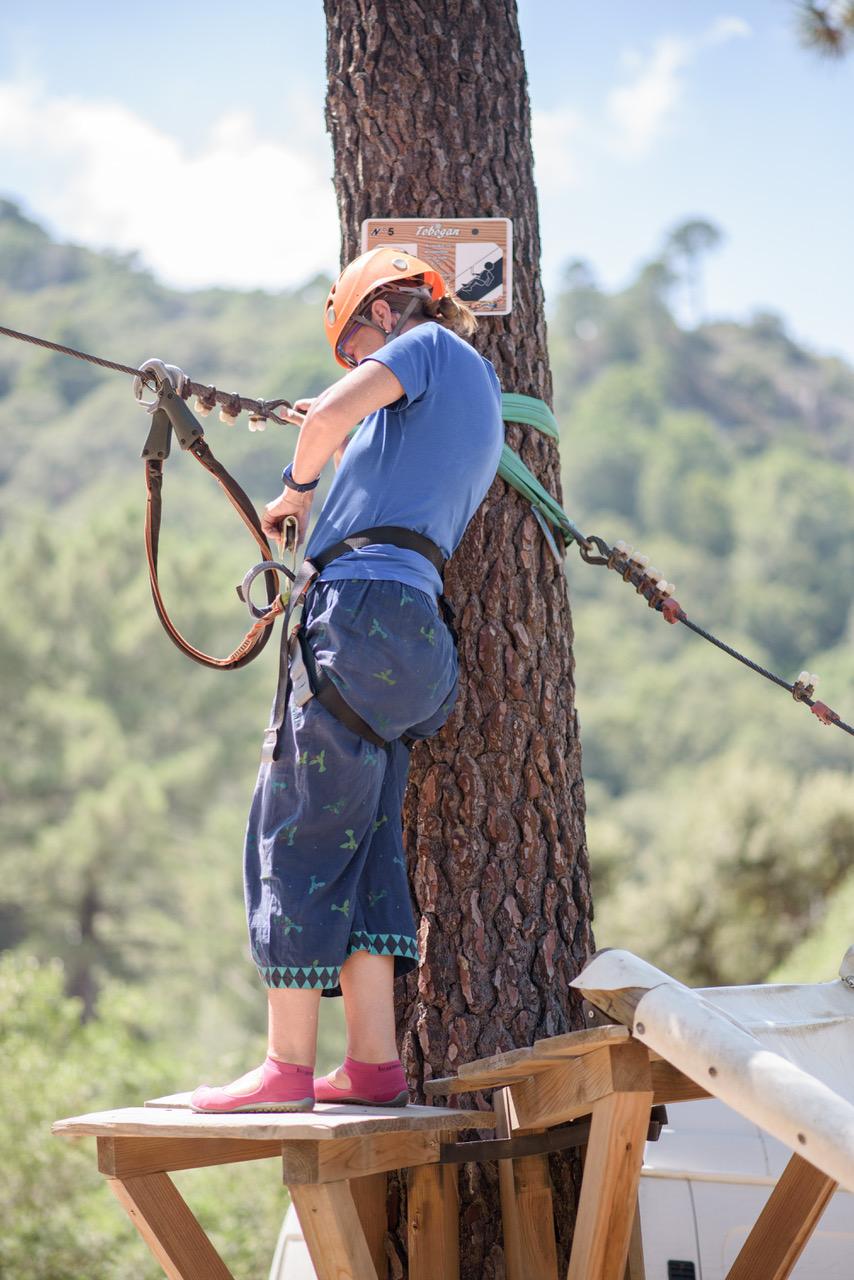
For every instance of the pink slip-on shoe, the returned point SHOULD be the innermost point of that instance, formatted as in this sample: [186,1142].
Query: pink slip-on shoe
[281,1086]
[372,1084]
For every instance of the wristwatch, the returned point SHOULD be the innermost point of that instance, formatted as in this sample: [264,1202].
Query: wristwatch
[290,483]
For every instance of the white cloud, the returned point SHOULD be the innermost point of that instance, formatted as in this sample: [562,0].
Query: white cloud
[725,29]
[241,210]
[641,110]
[553,137]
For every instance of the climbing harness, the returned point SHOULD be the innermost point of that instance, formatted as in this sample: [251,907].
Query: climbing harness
[300,675]
[170,412]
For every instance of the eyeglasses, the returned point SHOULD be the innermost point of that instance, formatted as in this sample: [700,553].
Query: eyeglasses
[349,360]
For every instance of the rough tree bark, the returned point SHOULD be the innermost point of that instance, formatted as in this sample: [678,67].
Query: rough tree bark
[428,111]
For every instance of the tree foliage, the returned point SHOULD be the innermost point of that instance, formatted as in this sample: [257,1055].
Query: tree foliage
[827,28]
[720,826]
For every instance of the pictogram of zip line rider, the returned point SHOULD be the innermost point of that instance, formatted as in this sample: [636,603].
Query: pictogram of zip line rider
[326,890]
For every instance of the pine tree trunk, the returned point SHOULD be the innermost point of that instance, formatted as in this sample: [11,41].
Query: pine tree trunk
[429,116]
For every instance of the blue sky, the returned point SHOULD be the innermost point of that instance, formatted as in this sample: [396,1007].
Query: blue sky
[644,114]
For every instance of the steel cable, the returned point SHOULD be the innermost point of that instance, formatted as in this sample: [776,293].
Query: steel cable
[208,395]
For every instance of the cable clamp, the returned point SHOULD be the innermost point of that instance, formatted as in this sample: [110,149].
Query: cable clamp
[824,713]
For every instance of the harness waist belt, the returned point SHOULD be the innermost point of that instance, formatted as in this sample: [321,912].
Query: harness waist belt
[392,533]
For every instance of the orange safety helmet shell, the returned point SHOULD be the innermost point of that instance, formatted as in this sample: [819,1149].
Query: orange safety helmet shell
[363,276]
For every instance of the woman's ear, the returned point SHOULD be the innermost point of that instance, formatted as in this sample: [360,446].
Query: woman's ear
[381,314]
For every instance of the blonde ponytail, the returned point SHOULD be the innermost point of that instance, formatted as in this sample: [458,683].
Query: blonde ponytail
[452,314]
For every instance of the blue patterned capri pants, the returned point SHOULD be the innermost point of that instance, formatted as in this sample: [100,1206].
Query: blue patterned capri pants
[324,868]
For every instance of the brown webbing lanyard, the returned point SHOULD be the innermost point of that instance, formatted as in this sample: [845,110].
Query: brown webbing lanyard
[171,414]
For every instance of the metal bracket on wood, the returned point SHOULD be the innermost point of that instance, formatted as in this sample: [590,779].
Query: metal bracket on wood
[576,1134]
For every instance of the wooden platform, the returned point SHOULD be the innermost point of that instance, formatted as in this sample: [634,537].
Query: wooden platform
[335,1162]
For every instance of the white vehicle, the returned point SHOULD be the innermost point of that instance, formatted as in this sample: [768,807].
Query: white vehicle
[702,1187]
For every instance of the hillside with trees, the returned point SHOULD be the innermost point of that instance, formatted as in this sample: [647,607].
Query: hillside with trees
[720,814]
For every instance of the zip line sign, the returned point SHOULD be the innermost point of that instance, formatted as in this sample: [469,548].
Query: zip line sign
[475,255]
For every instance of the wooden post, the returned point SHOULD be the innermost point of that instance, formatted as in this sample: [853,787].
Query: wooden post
[635,1268]
[332,1231]
[433,1233]
[609,1187]
[369,1197]
[533,1190]
[785,1224]
[163,1219]
[527,1212]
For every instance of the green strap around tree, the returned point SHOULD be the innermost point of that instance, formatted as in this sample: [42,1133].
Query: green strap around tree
[535,413]
[530,410]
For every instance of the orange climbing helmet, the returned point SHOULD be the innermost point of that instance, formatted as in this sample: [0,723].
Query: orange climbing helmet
[366,276]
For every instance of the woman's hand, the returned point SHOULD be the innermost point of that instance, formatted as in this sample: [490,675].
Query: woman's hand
[296,415]
[288,503]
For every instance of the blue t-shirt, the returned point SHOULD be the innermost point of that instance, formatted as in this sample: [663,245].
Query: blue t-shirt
[424,462]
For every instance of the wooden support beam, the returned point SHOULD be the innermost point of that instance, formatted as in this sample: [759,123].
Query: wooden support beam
[332,1231]
[163,1219]
[635,1268]
[369,1196]
[131,1157]
[784,1226]
[433,1231]
[504,1118]
[527,1213]
[670,1085]
[570,1089]
[313,1162]
[533,1190]
[609,1188]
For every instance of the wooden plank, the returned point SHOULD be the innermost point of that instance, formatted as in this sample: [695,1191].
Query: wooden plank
[332,1231]
[569,1090]
[575,1043]
[572,1044]
[635,1268]
[433,1228]
[527,1213]
[369,1196]
[670,1085]
[447,1086]
[784,1226]
[536,1218]
[167,1226]
[130,1157]
[504,1117]
[326,1123]
[609,1188]
[353,1157]
[496,1077]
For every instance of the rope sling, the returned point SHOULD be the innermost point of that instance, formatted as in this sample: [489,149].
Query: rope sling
[171,413]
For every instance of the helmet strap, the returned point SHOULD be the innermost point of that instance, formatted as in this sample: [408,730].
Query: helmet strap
[402,318]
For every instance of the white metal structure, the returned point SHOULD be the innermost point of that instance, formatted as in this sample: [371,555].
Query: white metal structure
[703,1186]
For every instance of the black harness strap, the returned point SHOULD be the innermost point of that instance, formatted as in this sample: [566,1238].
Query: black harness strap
[329,696]
[321,686]
[393,533]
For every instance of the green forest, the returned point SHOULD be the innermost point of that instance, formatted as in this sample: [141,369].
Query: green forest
[720,813]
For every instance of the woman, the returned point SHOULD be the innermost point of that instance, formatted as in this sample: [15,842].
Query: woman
[326,888]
